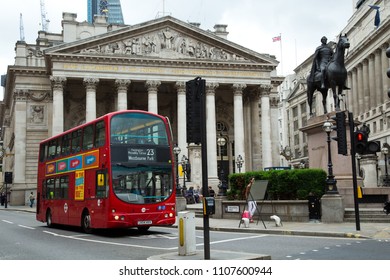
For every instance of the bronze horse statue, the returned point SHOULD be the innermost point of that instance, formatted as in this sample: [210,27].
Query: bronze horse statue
[335,77]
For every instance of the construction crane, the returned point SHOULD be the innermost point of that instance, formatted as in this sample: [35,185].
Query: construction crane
[21,28]
[44,21]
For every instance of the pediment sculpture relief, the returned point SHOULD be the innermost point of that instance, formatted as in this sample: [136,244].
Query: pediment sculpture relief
[165,43]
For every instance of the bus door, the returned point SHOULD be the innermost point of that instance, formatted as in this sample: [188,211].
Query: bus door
[57,190]
[98,189]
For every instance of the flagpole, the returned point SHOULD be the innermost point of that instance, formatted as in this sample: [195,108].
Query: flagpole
[281,54]
[296,59]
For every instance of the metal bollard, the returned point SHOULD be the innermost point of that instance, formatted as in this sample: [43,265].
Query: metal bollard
[187,238]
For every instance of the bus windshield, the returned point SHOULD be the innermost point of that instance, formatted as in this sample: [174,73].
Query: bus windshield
[140,158]
[142,185]
[138,128]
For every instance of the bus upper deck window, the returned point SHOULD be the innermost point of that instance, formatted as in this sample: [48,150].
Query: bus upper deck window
[100,138]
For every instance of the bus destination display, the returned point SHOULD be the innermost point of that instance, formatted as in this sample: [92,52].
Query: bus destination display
[141,154]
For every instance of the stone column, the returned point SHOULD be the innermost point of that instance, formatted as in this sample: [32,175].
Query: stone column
[354,92]
[378,77]
[20,133]
[349,97]
[385,66]
[239,139]
[255,132]
[371,81]
[152,87]
[181,118]
[368,165]
[20,97]
[90,86]
[211,134]
[366,87]
[122,86]
[58,104]
[360,90]
[266,125]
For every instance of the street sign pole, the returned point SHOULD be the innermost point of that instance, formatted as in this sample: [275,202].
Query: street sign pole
[354,175]
[205,189]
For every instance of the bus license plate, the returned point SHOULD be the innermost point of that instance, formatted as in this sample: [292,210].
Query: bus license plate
[144,222]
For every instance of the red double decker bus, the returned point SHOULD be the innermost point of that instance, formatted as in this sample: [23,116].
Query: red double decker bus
[114,172]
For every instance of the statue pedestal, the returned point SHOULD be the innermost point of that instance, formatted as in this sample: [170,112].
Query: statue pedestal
[332,208]
[318,156]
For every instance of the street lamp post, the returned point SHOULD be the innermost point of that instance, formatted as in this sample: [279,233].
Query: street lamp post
[330,180]
[176,151]
[239,163]
[385,152]
[221,141]
[184,162]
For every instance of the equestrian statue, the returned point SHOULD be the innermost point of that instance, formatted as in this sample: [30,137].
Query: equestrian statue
[328,71]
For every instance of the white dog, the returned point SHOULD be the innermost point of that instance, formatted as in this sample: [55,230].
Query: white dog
[278,221]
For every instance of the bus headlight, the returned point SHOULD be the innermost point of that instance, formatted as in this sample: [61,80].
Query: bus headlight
[116,218]
[170,215]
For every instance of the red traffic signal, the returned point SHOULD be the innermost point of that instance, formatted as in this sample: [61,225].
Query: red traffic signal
[363,146]
[360,141]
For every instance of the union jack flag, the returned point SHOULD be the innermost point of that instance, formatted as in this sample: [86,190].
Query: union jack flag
[277,38]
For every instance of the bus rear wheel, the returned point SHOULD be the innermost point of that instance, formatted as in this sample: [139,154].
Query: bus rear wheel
[49,221]
[86,222]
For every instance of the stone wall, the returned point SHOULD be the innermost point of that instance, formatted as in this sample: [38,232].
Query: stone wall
[287,210]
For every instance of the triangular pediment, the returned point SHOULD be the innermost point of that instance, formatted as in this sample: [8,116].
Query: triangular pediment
[165,38]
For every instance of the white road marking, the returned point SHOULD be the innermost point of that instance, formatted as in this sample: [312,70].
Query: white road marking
[143,246]
[26,227]
[8,222]
[234,239]
[108,243]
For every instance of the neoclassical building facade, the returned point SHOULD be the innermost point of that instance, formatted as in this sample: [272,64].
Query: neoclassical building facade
[89,70]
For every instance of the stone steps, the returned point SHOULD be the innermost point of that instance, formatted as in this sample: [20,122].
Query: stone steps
[374,215]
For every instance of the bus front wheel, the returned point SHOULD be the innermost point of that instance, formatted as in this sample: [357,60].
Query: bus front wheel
[86,222]
[49,221]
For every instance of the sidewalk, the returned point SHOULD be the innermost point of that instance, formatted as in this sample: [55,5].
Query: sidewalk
[312,228]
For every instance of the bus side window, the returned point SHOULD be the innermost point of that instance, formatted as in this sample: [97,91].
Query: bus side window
[88,137]
[65,150]
[76,141]
[50,188]
[58,148]
[101,184]
[100,138]
[64,186]
[52,148]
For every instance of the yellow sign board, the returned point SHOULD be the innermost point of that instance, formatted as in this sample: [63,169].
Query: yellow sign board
[79,185]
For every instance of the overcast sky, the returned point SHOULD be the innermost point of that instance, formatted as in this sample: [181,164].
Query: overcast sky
[251,23]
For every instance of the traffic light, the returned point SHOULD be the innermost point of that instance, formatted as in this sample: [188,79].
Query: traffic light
[361,139]
[195,90]
[363,146]
[341,131]
[8,177]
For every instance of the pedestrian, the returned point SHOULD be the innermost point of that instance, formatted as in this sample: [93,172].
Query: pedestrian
[2,198]
[211,192]
[32,199]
